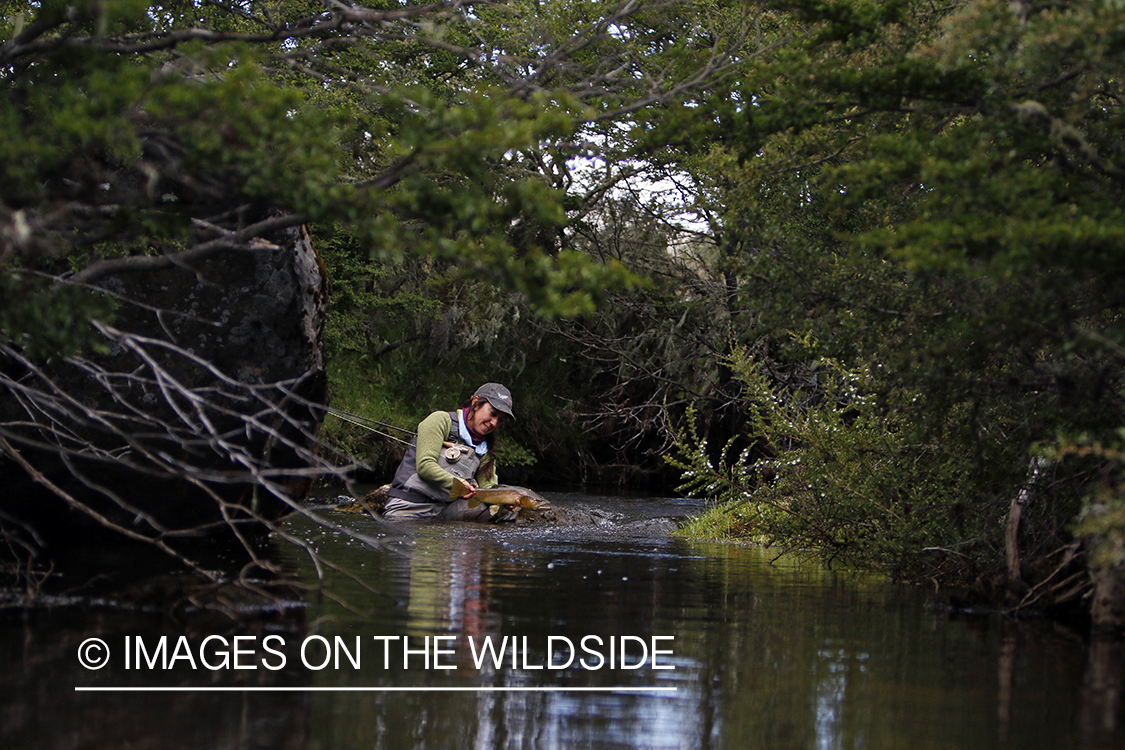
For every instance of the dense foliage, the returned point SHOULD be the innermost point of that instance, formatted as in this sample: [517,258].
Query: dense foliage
[926,208]
[861,262]
[134,129]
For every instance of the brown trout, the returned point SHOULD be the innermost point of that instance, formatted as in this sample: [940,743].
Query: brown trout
[504,494]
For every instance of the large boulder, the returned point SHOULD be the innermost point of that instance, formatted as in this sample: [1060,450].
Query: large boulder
[200,411]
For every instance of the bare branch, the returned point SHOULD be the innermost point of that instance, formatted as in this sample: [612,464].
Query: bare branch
[242,239]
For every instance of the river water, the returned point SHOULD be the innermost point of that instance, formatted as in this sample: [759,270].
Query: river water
[604,632]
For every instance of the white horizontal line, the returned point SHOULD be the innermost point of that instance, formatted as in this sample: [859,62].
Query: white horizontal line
[259,689]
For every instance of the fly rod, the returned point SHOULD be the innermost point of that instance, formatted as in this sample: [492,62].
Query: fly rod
[372,425]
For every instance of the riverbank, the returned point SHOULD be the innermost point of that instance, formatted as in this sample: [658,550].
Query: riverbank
[978,589]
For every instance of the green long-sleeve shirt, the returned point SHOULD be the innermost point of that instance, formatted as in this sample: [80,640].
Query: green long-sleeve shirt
[432,432]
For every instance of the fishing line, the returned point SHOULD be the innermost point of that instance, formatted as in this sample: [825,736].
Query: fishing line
[372,425]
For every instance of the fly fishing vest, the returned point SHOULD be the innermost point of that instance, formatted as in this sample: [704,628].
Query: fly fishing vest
[459,459]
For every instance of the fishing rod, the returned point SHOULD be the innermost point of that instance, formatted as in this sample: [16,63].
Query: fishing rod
[367,423]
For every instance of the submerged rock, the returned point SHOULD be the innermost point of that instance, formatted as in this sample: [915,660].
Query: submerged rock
[372,503]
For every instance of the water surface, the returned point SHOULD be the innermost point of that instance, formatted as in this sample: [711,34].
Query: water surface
[756,652]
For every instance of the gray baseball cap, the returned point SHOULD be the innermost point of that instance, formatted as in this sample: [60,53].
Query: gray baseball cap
[497,395]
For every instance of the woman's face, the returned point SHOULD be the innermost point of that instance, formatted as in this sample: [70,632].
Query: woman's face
[483,419]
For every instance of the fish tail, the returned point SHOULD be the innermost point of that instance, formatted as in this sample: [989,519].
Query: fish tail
[473,502]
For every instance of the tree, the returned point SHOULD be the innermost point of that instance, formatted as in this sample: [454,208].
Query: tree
[928,199]
[151,137]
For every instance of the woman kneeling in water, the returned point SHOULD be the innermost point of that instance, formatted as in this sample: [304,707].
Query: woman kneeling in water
[452,447]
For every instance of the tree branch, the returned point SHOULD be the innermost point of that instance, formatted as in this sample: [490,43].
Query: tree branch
[242,239]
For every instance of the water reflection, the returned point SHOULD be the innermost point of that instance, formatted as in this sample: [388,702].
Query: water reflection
[767,654]
[521,587]
[40,708]
[1100,720]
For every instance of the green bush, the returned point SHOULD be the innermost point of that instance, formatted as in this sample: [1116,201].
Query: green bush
[829,468]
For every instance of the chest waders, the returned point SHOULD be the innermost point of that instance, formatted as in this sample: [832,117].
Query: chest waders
[460,460]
